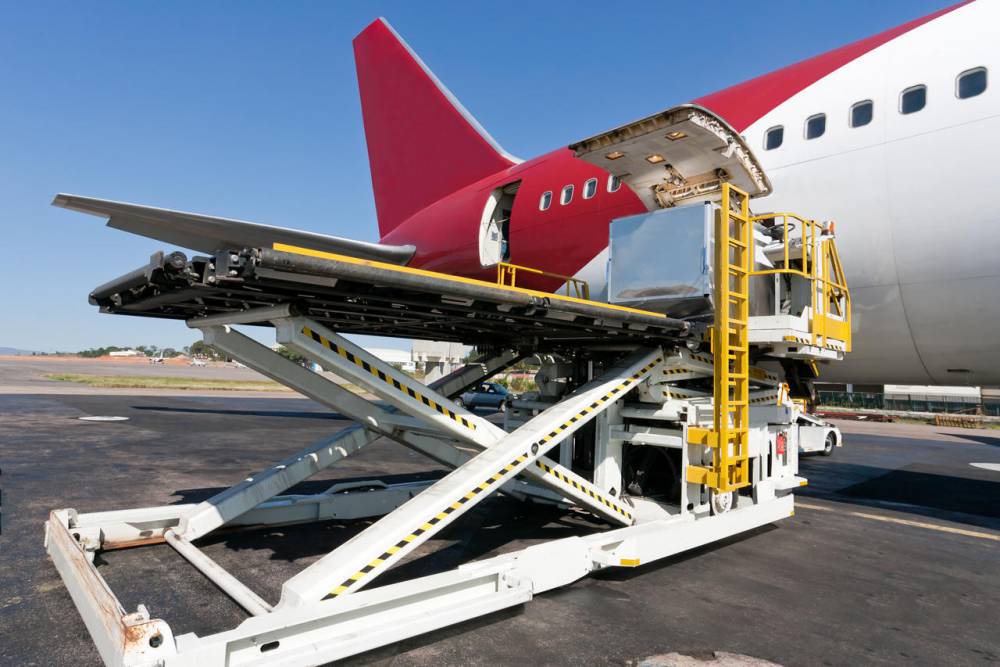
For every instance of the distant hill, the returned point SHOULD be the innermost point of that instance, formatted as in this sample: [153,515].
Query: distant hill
[14,351]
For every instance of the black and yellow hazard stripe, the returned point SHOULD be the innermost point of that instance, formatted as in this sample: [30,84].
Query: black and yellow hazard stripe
[678,371]
[601,498]
[532,451]
[388,379]
[430,523]
[799,339]
[761,374]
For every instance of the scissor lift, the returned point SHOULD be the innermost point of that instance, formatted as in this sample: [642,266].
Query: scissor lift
[718,422]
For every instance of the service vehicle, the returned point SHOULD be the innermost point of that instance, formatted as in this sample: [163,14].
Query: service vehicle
[485,395]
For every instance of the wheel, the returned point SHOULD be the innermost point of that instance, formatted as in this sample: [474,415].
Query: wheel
[502,407]
[831,442]
[460,402]
[723,502]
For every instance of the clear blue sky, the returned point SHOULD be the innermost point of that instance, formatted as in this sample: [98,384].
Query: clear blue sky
[249,110]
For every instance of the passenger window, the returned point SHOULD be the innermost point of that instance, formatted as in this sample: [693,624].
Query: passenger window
[913,99]
[614,183]
[590,188]
[815,126]
[971,83]
[545,201]
[861,113]
[774,137]
[567,195]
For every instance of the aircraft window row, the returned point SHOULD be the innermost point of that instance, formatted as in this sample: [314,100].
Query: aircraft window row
[589,190]
[967,84]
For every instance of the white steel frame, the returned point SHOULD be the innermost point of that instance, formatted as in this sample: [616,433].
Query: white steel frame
[324,612]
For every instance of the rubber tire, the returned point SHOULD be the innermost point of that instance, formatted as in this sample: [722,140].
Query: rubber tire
[502,408]
[459,402]
[831,442]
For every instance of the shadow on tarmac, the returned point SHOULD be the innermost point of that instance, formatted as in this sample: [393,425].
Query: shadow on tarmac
[917,488]
[241,413]
[976,437]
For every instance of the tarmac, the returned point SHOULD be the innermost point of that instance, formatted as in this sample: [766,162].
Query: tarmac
[893,554]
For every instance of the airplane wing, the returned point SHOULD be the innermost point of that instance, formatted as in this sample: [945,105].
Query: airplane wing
[683,153]
[209,234]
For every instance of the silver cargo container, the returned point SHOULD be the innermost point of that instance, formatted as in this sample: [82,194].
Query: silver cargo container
[662,261]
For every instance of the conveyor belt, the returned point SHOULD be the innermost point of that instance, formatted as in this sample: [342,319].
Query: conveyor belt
[352,295]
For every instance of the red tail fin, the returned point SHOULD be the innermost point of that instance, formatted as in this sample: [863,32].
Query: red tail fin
[422,143]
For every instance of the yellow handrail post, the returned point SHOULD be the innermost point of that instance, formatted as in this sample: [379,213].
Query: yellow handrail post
[509,271]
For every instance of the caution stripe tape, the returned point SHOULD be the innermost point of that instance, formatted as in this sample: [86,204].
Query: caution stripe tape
[430,523]
[502,473]
[799,339]
[388,379]
[828,344]
[604,500]
[761,374]
[678,371]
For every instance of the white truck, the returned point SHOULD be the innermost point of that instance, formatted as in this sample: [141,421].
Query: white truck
[816,435]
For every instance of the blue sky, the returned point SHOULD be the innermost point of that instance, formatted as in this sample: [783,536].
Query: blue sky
[249,110]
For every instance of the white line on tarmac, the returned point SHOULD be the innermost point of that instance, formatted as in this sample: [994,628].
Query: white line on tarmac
[904,522]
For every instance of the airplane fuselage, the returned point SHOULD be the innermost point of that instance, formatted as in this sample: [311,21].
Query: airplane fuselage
[911,194]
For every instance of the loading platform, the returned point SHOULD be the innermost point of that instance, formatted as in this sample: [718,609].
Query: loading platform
[359,296]
[665,430]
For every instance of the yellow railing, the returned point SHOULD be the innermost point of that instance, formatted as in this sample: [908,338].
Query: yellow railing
[818,262]
[507,276]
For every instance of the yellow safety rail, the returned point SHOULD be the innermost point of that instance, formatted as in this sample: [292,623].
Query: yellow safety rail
[507,276]
[818,261]
[729,436]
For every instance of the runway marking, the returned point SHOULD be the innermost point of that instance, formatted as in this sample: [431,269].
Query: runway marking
[995,467]
[905,522]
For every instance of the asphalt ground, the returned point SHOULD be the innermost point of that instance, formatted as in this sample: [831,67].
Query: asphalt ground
[893,555]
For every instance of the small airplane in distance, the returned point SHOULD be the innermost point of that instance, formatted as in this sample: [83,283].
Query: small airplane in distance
[891,136]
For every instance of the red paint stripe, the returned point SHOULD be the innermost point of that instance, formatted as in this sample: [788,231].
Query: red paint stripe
[743,104]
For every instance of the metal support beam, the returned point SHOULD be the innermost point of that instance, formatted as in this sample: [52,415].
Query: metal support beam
[362,558]
[372,420]
[372,423]
[471,374]
[343,357]
[229,584]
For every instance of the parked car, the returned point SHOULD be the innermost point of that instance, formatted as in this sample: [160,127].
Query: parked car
[485,395]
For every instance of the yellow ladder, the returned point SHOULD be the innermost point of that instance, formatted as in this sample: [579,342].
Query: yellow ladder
[728,438]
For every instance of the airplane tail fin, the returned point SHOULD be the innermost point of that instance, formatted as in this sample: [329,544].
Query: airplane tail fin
[422,143]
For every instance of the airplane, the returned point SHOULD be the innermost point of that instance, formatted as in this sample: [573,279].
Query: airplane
[891,136]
